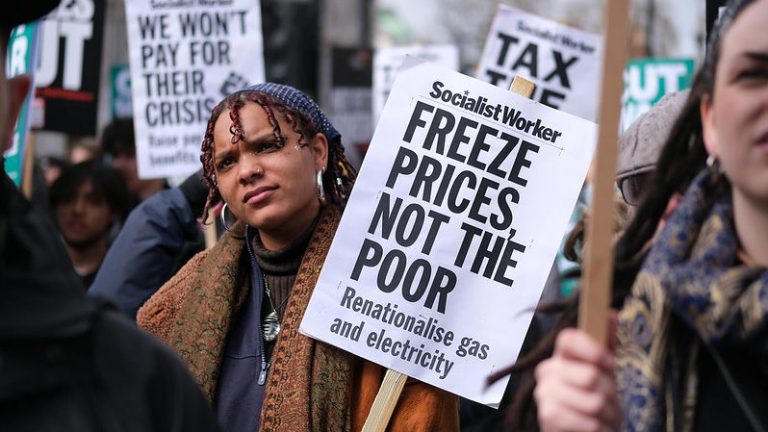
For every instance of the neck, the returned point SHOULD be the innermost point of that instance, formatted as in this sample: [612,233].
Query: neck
[289,233]
[751,220]
[86,259]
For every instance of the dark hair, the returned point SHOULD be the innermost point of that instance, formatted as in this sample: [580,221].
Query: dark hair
[107,183]
[682,158]
[118,138]
[339,176]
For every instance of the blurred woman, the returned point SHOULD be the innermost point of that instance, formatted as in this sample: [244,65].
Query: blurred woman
[233,313]
[691,339]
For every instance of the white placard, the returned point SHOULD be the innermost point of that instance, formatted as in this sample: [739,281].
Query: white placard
[387,62]
[456,167]
[564,62]
[186,56]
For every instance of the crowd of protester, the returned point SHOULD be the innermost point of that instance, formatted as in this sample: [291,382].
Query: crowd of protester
[114,317]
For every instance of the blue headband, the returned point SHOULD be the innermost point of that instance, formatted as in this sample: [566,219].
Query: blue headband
[298,101]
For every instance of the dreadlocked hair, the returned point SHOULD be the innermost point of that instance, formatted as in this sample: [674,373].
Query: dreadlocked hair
[338,177]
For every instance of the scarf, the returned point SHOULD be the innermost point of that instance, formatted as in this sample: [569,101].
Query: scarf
[309,384]
[691,290]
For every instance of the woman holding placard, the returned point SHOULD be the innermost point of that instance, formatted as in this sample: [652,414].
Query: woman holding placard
[233,312]
[692,331]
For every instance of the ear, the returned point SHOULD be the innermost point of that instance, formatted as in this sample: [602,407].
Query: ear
[18,87]
[708,127]
[319,148]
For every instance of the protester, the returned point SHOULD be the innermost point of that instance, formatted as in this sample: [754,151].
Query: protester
[68,363]
[233,312]
[691,330]
[640,146]
[119,143]
[88,200]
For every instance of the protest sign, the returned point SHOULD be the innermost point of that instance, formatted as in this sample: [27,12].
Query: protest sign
[387,62]
[349,105]
[450,231]
[69,71]
[185,57]
[120,86]
[21,57]
[564,62]
[646,81]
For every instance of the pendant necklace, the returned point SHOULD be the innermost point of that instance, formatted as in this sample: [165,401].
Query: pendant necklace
[271,323]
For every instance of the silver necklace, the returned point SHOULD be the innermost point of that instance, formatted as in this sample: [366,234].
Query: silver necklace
[271,323]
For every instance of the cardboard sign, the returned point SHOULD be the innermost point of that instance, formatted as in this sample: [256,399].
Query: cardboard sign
[21,57]
[185,57]
[646,81]
[387,62]
[563,62]
[69,71]
[450,231]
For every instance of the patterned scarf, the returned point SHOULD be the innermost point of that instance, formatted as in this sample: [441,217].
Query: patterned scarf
[309,384]
[692,289]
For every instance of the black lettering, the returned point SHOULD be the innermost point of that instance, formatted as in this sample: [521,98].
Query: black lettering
[416,120]
[406,161]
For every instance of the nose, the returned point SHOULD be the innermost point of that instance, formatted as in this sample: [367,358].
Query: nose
[250,169]
[78,206]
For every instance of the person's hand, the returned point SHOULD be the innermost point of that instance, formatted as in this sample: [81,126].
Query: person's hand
[576,387]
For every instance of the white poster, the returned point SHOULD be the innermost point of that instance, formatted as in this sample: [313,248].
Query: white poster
[185,57]
[451,230]
[387,62]
[564,62]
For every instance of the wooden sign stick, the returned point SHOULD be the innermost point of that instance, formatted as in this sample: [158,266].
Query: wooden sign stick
[598,265]
[28,164]
[393,382]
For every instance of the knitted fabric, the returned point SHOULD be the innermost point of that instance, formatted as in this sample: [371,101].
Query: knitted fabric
[692,289]
[298,101]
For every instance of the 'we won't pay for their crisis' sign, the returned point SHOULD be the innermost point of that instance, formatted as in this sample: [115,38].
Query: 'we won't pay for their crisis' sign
[451,230]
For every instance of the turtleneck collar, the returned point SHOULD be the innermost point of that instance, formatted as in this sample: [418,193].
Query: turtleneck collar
[284,261]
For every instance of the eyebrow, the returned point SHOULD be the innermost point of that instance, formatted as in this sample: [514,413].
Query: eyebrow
[217,156]
[758,56]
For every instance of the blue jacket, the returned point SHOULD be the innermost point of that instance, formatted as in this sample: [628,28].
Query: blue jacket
[154,243]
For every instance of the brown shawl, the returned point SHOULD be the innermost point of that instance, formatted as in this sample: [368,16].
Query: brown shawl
[310,386]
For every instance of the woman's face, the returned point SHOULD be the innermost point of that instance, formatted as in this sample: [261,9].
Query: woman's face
[271,188]
[735,117]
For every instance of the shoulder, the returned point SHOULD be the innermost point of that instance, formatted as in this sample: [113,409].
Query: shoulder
[155,315]
[147,377]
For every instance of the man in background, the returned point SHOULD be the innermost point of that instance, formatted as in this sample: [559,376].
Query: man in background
[89,201]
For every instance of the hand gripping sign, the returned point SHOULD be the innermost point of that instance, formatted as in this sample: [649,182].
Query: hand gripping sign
[450,231]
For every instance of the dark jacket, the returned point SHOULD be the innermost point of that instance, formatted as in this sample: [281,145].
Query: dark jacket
[68,363]
[158,238]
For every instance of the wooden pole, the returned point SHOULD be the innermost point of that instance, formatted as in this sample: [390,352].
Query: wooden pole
[28,164]
[392,385]
[597,278]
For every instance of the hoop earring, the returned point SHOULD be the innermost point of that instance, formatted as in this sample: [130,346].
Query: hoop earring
[715,170]
[223,216]
[320,189]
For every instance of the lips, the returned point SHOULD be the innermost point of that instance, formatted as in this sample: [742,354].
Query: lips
[258,195]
